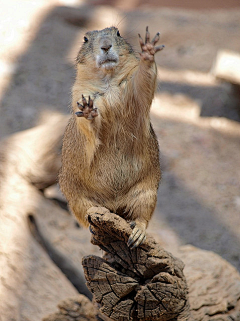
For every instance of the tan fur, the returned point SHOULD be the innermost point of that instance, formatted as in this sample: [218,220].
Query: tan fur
[113,159]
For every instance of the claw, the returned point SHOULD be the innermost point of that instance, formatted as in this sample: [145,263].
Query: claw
[80,106]
[79,114]
[132,224]
[155,39]
[159,48]
[91,230]
[136,238]
[140,240]
[147,37]
[84,101]
[131,239]
[90,102]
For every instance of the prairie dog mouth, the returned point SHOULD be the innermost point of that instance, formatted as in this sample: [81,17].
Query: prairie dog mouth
[107,62]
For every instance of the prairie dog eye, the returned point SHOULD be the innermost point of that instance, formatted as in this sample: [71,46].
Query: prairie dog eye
[85,39]
[118,33]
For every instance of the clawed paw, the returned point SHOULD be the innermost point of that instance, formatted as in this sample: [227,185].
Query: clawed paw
[86,109]
[148,48]
[137,236]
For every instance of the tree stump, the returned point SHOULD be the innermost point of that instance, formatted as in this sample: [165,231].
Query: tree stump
[146,283]
[214,289]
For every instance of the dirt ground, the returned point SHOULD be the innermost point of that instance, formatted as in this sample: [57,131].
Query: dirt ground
[196,117]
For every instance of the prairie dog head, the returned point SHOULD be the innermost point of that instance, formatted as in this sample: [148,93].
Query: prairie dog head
[104,49]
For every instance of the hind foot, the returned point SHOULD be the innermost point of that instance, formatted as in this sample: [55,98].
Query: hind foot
[137,236]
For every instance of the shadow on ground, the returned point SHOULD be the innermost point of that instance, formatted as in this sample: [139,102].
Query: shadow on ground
[217,101]
[193,222]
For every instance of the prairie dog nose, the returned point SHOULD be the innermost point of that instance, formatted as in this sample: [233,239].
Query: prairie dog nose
[105,44]
[106,47]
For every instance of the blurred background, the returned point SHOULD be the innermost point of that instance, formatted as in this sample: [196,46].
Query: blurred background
[196,111]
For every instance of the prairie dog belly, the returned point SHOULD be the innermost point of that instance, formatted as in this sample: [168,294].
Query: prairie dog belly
[124,172]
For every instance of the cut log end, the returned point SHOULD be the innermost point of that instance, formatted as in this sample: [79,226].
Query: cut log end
[146,283]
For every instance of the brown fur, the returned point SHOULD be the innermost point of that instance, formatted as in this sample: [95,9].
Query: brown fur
[113,159]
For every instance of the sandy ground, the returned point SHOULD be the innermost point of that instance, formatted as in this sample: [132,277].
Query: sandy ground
[195,117]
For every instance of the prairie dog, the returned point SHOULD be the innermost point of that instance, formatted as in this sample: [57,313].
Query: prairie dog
[110,155]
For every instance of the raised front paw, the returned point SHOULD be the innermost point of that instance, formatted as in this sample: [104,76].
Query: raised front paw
[137,236]
[86,109]
[148,48]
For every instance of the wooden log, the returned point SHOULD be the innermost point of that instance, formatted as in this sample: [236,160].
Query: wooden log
[30,284]
[214,285]
[146,283]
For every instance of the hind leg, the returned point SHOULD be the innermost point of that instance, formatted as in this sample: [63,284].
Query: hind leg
[79,208]
[140,207]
